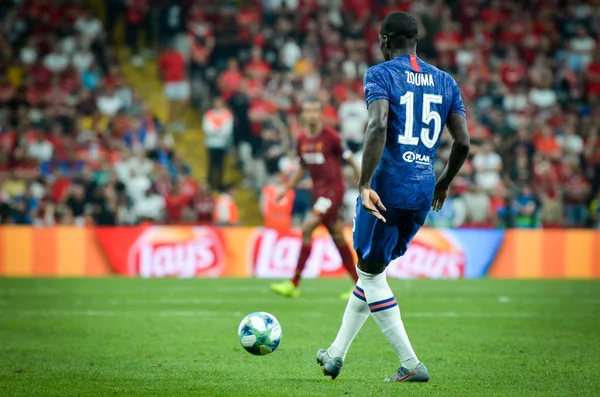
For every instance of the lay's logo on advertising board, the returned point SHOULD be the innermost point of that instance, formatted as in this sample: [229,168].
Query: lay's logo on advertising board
[182,252]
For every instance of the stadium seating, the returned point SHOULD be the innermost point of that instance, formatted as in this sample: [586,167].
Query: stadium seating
[76,112]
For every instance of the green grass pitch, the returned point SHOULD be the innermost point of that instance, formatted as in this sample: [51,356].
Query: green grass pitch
[132,337]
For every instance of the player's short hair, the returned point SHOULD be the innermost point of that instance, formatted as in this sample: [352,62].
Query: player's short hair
[399,26]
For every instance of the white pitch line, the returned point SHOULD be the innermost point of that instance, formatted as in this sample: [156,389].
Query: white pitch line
[201,313]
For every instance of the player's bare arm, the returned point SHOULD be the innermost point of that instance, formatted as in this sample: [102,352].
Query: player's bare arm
[292,184]
[352,163]
[372,152]
[457,125]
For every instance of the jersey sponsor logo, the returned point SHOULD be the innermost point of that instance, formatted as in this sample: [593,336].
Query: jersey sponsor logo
[419,79]
[418,158]
[275,255]
[177,252]
[313,158]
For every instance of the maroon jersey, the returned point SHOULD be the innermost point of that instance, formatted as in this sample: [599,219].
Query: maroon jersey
[322,154]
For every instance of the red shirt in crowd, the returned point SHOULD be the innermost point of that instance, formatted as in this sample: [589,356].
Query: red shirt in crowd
[333,52]
[258,69]
[172,66]
[7,92]
[175,204]
[259,110]
[576,189]
[189,188]
[136,12]
[40,74]
[70,81]
[512,32]
[361,8]
[513,73]
[230,81]
[204,206]
[593,70]
[494,16]
[60,188]
[330,115]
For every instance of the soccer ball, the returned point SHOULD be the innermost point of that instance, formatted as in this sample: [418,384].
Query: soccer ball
[259,333]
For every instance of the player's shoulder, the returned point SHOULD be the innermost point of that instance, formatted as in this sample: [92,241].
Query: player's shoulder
[425,66]
[379,68]
[438,73]
[301,136]
[331,133]
[377,72]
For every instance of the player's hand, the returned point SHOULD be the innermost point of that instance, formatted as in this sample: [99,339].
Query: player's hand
[439,196]
[372,203]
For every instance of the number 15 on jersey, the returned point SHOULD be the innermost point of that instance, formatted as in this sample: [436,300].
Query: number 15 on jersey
[429,115]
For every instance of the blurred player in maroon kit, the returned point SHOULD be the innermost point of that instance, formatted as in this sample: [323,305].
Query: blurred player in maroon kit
[321,154]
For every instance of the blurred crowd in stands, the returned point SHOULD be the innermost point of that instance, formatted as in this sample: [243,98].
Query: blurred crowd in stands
[529,73]
[79,146]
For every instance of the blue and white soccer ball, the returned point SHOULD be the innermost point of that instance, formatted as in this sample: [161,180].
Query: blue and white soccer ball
[259,333]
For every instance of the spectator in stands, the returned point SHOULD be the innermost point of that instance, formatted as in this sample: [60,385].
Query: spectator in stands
[137,16]
[226,211]
[204,204]
[105,206]
[595,211]
[529,76]
[75,204]
[137,185]
[56,60]
[40,149]
[150,207]
[274,146]
[218,129]
[552,211]
[276,215]
[83,58]
[526,207]
[478,208]
[353,119]
[488,165]
[176,86]
[582,46]
[176,203]
[89,28]
[239,103]
[576,193]
[570,143]
[109,103]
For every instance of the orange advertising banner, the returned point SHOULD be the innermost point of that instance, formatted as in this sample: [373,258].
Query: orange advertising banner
[57,251]
[188,251]
[548,254]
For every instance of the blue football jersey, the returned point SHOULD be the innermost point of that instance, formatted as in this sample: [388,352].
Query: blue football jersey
[421,97]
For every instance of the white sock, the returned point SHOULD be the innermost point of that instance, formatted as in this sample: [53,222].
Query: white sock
[357,312]
[385,311]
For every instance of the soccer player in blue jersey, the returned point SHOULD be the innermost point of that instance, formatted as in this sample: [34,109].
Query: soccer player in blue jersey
[409,102]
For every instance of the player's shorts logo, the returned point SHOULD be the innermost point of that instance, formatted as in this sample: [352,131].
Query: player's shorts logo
[411,157]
